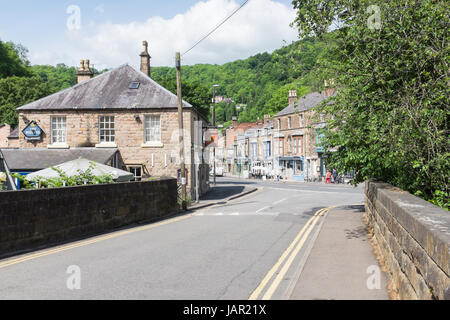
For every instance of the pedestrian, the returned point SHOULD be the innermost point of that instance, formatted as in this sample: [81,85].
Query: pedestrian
[328,179]
[335,174]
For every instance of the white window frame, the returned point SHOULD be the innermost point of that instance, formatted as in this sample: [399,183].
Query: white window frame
[156,142]
[289,122]
[254,149]
[108,123]
[132,169]
[300,120]
[267,149]
[58,132]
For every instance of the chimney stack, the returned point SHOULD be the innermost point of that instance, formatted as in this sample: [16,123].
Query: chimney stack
[84,72]
[292,96]
[145,59]
[329,88]
[259,122]
[235,122]
[266,119]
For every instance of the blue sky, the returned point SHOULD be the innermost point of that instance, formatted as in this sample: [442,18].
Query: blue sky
[111,32]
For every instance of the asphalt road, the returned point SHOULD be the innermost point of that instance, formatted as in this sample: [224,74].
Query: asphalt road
[220,252]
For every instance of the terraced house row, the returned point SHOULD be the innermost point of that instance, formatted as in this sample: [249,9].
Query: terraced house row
[287,144]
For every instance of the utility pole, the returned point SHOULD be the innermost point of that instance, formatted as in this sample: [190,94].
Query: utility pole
[214,125]
[181,131]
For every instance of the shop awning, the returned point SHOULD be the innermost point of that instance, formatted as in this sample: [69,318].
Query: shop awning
[290,158]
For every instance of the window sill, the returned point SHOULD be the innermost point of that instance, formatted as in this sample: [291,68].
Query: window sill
[106,145]
[152,145]
[58,146]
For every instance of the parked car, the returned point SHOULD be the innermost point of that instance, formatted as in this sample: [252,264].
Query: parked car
[219,172]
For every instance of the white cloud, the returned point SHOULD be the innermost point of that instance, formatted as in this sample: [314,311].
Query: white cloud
[260,26]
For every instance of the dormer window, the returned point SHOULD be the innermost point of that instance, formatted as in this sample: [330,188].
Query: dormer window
[134,85]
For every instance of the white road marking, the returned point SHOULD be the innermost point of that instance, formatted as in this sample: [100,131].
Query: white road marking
[262,209]
[280,201]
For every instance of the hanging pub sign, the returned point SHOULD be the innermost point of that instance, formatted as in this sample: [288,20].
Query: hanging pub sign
[32,131]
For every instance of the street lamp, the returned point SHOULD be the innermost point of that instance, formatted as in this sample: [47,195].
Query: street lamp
[214,125]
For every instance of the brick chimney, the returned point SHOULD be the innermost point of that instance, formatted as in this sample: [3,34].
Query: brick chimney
[145,59]
[84,72]
[266,119]
[329,88]
[235,122]
[292,96]
[259,123]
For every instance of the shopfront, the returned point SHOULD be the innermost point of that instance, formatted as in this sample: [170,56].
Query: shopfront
[292,168]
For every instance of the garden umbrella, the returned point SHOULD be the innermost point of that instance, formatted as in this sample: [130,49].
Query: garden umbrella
[71,168]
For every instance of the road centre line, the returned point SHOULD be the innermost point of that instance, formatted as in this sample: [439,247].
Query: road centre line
[285,254]
[91,241]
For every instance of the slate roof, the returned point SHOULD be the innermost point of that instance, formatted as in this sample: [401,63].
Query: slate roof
[110,90]
[304,103]
[34,159]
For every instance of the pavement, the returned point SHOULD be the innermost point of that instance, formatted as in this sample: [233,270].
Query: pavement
[274,241]
[341,264]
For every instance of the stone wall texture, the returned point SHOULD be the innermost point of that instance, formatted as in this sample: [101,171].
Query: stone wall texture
[31,219]
[414,239]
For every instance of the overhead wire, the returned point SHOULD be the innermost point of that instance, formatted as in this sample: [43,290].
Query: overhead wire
[217,27]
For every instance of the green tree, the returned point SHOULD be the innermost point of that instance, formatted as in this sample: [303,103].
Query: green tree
[390,65]
[13,60]
[18,91]
[279,99]
[193,92]
[58,78]
[254,81]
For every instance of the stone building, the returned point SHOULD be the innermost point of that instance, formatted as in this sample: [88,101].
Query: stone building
[298,154]
[122,111]
[237,147]
[8,137]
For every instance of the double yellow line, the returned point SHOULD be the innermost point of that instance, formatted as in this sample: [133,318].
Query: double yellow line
[87,242]
[290,253]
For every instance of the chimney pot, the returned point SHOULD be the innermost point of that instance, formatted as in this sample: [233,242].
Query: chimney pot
[81,65]
[292,96]
[84,73]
